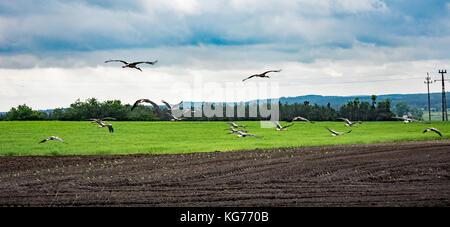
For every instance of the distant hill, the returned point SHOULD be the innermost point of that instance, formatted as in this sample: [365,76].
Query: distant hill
[413,100]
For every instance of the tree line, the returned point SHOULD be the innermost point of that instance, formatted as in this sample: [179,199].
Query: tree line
[92,108]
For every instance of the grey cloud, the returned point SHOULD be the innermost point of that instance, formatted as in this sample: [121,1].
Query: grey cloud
[94,25]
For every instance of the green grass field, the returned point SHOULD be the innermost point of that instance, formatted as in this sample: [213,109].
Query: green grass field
[84,138]
[435,116]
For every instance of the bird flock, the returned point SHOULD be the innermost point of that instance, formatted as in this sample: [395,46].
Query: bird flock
[235,129]
[348,123]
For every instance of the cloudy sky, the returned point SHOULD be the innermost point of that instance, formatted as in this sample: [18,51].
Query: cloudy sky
[52,52]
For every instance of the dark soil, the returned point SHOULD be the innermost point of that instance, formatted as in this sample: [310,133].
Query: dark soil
[385,174]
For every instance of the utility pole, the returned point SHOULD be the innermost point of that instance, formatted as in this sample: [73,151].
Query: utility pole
[428,82]
[444,100]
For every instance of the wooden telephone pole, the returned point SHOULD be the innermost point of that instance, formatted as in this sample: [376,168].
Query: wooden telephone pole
[444,99]
[428,82]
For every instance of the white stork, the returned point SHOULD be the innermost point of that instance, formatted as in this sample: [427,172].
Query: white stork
[52,138]
[139,101]
[235,125]
[434,130]
[300,119]
[281,128]
[334,133]
[262,75]
[133,64]
[349,123]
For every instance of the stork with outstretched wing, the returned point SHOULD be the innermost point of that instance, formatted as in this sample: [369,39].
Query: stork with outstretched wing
[139,101]
[262,75]
[133,64]
[334,133]
[281,128]
[52,138]
[433,130]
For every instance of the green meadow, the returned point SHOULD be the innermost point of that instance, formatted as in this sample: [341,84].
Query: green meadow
[435,116]
[84,138]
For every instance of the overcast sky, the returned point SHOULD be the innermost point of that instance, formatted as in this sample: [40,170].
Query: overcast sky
[52,52]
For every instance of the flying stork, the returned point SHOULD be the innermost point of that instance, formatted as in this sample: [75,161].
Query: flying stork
[262,75]
[102,124]
[407,119]
[300,119]
[170,107]
[434,130]
[235,125]
[173,118]
[349,123]
[133,64]
[94,120]
[235,131]
[53,138]
[175,107]
[243,134]
[281,128]
[334,133]
[155,106]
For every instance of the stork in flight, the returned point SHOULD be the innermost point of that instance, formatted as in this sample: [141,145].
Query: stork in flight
[334,133]
[300,119]
[133,64]
[262,75]
[281,128]
[349,123]
[170,107]
[233,125]
[235,131]
[174,107]
[139,101]
[406,119]
[434,130]
[53,138]
[243,134]
[173,118]
[103,124]
[94,120]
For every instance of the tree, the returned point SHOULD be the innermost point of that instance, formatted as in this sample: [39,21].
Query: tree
[23,112]
[374,101]
[383,110]
[92,108]
[402,108]
[56,114]
[141,113]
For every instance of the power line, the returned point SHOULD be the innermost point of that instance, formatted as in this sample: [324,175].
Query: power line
[369,81]
[428,82]
[444,100]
